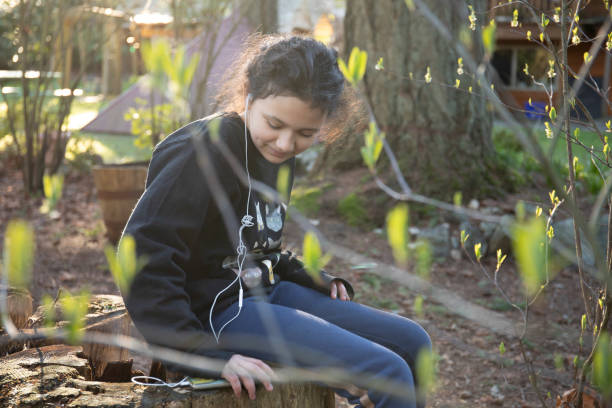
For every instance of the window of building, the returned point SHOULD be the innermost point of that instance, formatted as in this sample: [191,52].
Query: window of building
[510,63]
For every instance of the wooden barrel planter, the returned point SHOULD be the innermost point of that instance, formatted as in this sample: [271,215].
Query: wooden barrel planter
[119,187]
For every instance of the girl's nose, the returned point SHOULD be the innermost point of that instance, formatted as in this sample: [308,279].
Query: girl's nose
[285,141]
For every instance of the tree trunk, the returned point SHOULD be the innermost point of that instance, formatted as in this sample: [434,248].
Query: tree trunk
[439,134]
[262,14]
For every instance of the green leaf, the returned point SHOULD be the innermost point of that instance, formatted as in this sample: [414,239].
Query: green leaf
[559,366]
[356,67]
[553,113]
[410,5]
[424,258]
[515,15]
[457,198]
[426,371]
[464,237]
[502,348]
[213,128]
[477,251]
[583,322]
[488,37]
[379,65]
[428,75]
[52,187]
[373,146]
[353,64]
[313,260]
[472,18]
[18,253]
[528,238]
[417,306]
[345,71]
[550,233]
[602,366]
[362,63]
[74,309]
[397,224]
[282,182]
[500,258]
[123,263]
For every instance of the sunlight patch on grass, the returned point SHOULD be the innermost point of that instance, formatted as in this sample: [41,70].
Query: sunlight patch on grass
[113,149]
[559,154]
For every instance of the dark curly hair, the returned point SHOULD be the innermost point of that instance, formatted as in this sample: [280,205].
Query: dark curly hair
[282,65]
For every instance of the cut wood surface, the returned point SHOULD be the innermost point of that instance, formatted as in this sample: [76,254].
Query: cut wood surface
[60,375]
[106,314]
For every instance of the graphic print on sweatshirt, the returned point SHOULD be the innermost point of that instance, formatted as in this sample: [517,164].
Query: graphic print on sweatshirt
[269,219]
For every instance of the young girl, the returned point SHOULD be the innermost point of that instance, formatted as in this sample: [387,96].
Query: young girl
[215,282]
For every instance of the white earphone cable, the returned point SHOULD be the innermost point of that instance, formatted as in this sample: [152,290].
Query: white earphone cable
[241,249]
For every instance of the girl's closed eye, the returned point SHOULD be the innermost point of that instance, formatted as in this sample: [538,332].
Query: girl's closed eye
[274,125]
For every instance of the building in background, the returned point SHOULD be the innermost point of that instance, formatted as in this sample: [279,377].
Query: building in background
[514,50]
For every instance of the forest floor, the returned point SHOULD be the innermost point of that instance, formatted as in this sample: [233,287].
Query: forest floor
[472,372]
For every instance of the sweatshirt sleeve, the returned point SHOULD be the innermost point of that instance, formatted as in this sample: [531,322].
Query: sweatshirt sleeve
[165,224]
[290,268]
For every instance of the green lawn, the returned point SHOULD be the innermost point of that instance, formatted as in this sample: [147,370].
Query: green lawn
[112,148]
[559,146]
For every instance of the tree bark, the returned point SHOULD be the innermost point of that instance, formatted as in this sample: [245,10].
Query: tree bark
[439,134]
[262,14]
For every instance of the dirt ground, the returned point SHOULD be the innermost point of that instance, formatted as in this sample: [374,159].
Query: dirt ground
[471,370]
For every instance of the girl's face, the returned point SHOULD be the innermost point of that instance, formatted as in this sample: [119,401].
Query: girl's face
[283,126]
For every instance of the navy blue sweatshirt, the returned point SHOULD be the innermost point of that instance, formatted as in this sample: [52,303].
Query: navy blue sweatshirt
[179,229]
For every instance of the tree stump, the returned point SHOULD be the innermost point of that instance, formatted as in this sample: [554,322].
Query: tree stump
[60,374]
[48,374]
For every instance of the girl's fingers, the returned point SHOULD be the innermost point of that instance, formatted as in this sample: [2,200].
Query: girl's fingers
[234,382]
[334,290]
[242,371]
[249,385]
[266,368]
[262,375]
[343,293]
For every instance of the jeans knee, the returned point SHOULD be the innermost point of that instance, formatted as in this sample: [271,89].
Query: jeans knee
[396,367]
[414,341]
[423,341]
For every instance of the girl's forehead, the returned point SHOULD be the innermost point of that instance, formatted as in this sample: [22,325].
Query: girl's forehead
[291,110]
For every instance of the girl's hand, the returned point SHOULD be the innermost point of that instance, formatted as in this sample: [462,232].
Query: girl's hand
[243,371]
[337,290]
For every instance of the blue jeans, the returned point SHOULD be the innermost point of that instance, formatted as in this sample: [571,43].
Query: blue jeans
[305,328]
